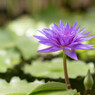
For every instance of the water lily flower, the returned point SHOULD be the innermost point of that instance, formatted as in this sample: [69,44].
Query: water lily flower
[64,38]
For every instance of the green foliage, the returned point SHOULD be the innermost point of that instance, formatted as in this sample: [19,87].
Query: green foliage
[8,59]
[22,87]
[53,88]
[54,68]
[27,46]
[66,92]
[87,55]
[17,87]
[6,40]
[18,41]
[24,39]
[50,86]
[25,26]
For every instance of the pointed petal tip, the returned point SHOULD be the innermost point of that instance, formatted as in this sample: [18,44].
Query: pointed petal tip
[35,36]
[67,25]
[76,59]
[76,22]
[38,51]
[61,21]
[83,29]
[90,31]
[71,54]
[61,25]
[93,47]
[54,24]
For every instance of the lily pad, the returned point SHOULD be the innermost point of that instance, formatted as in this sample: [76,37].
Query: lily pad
[87,55]
[53,88]
[24,28]
[64,92]
[22,87]
[25,25]
[8,59]
[17,87]
[27,46]
[54,68]
[6,39]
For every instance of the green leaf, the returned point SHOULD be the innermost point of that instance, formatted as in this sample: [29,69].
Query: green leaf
[27,46]
[25,26]
[64,92]
[6,39]
[54,68]
[17,87]
[21,25]
[17,94]
[22,87]
[53,88]
[8,59]
[50,86]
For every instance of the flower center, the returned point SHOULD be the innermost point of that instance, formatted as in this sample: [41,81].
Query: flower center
[61,47]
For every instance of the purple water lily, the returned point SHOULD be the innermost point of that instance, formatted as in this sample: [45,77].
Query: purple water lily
[64,38]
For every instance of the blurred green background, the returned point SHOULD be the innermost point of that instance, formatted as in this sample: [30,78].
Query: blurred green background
[20,20]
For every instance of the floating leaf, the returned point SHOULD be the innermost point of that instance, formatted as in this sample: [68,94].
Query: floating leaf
[22,87]
[53,88]
[87,55]
[8,59]
[17,87]
[25,25]
[54,68]
[6,39]
[27,46]
[64,92]
[21,25]
[50,86]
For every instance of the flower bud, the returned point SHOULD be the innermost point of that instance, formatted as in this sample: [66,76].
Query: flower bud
[88,81]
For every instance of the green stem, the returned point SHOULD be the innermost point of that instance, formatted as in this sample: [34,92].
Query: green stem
[65,71]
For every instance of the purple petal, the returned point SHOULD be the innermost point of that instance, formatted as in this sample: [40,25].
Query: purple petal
[40,37]
[77,29]
[78,35]
[86,33]
[74,26]
[61,41]
[46,43]
[49,34]
[61,25]
[71,53]
[81,31]
[55,27]
[67,48]
[72,44]
[83,47]
[67,25]
[71,29]
[66,39]
[50,49]
[84,39]
[49,43]
[82,35]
